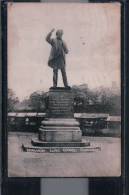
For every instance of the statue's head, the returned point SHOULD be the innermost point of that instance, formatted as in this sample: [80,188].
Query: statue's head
[59,33]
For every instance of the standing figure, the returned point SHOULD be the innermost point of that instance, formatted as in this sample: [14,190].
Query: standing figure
[57,56]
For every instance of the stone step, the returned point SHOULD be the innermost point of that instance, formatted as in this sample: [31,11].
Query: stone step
[60,122]
[36,149]
[37,142]
[59,128]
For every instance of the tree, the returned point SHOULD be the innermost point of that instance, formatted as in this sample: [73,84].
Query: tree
[80,97]
[12,100]
[38,101]
[102,99]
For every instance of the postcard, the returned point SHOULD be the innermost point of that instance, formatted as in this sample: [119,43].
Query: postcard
[64,89]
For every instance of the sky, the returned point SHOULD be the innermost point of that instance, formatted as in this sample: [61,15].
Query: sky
[92,34]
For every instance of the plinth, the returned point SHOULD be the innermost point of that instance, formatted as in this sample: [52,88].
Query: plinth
[60,125]
[60,131]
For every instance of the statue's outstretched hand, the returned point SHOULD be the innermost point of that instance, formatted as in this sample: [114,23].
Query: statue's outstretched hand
[52,30]
[48,37]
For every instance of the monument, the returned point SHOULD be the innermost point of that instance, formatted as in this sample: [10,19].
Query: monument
[60,131]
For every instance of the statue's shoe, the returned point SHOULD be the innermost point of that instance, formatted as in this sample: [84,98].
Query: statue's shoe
[67,87]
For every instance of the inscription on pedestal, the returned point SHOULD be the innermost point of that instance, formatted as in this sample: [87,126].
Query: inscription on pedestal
[60,103]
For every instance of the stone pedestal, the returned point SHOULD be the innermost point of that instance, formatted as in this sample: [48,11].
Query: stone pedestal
[60,125]
[60,131]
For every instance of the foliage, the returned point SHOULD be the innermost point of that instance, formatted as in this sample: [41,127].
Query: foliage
[38,101]
[101,100]
[12,100]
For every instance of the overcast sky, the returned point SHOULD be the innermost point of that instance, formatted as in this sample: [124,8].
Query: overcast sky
[92,34]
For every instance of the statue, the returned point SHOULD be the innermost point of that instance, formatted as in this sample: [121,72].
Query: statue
[57,56]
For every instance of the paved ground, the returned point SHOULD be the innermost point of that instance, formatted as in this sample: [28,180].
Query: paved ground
[106,162]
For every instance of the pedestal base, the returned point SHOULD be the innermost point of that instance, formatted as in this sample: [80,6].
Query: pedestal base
[60,130]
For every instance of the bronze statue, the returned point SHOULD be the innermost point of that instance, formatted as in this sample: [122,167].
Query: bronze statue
[57,56]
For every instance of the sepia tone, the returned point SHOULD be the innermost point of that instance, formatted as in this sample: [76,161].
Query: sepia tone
[75,134]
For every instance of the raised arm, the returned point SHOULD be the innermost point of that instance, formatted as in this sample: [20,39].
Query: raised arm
[48,37]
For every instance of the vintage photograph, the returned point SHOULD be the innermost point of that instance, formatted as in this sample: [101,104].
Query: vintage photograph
[64,89]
